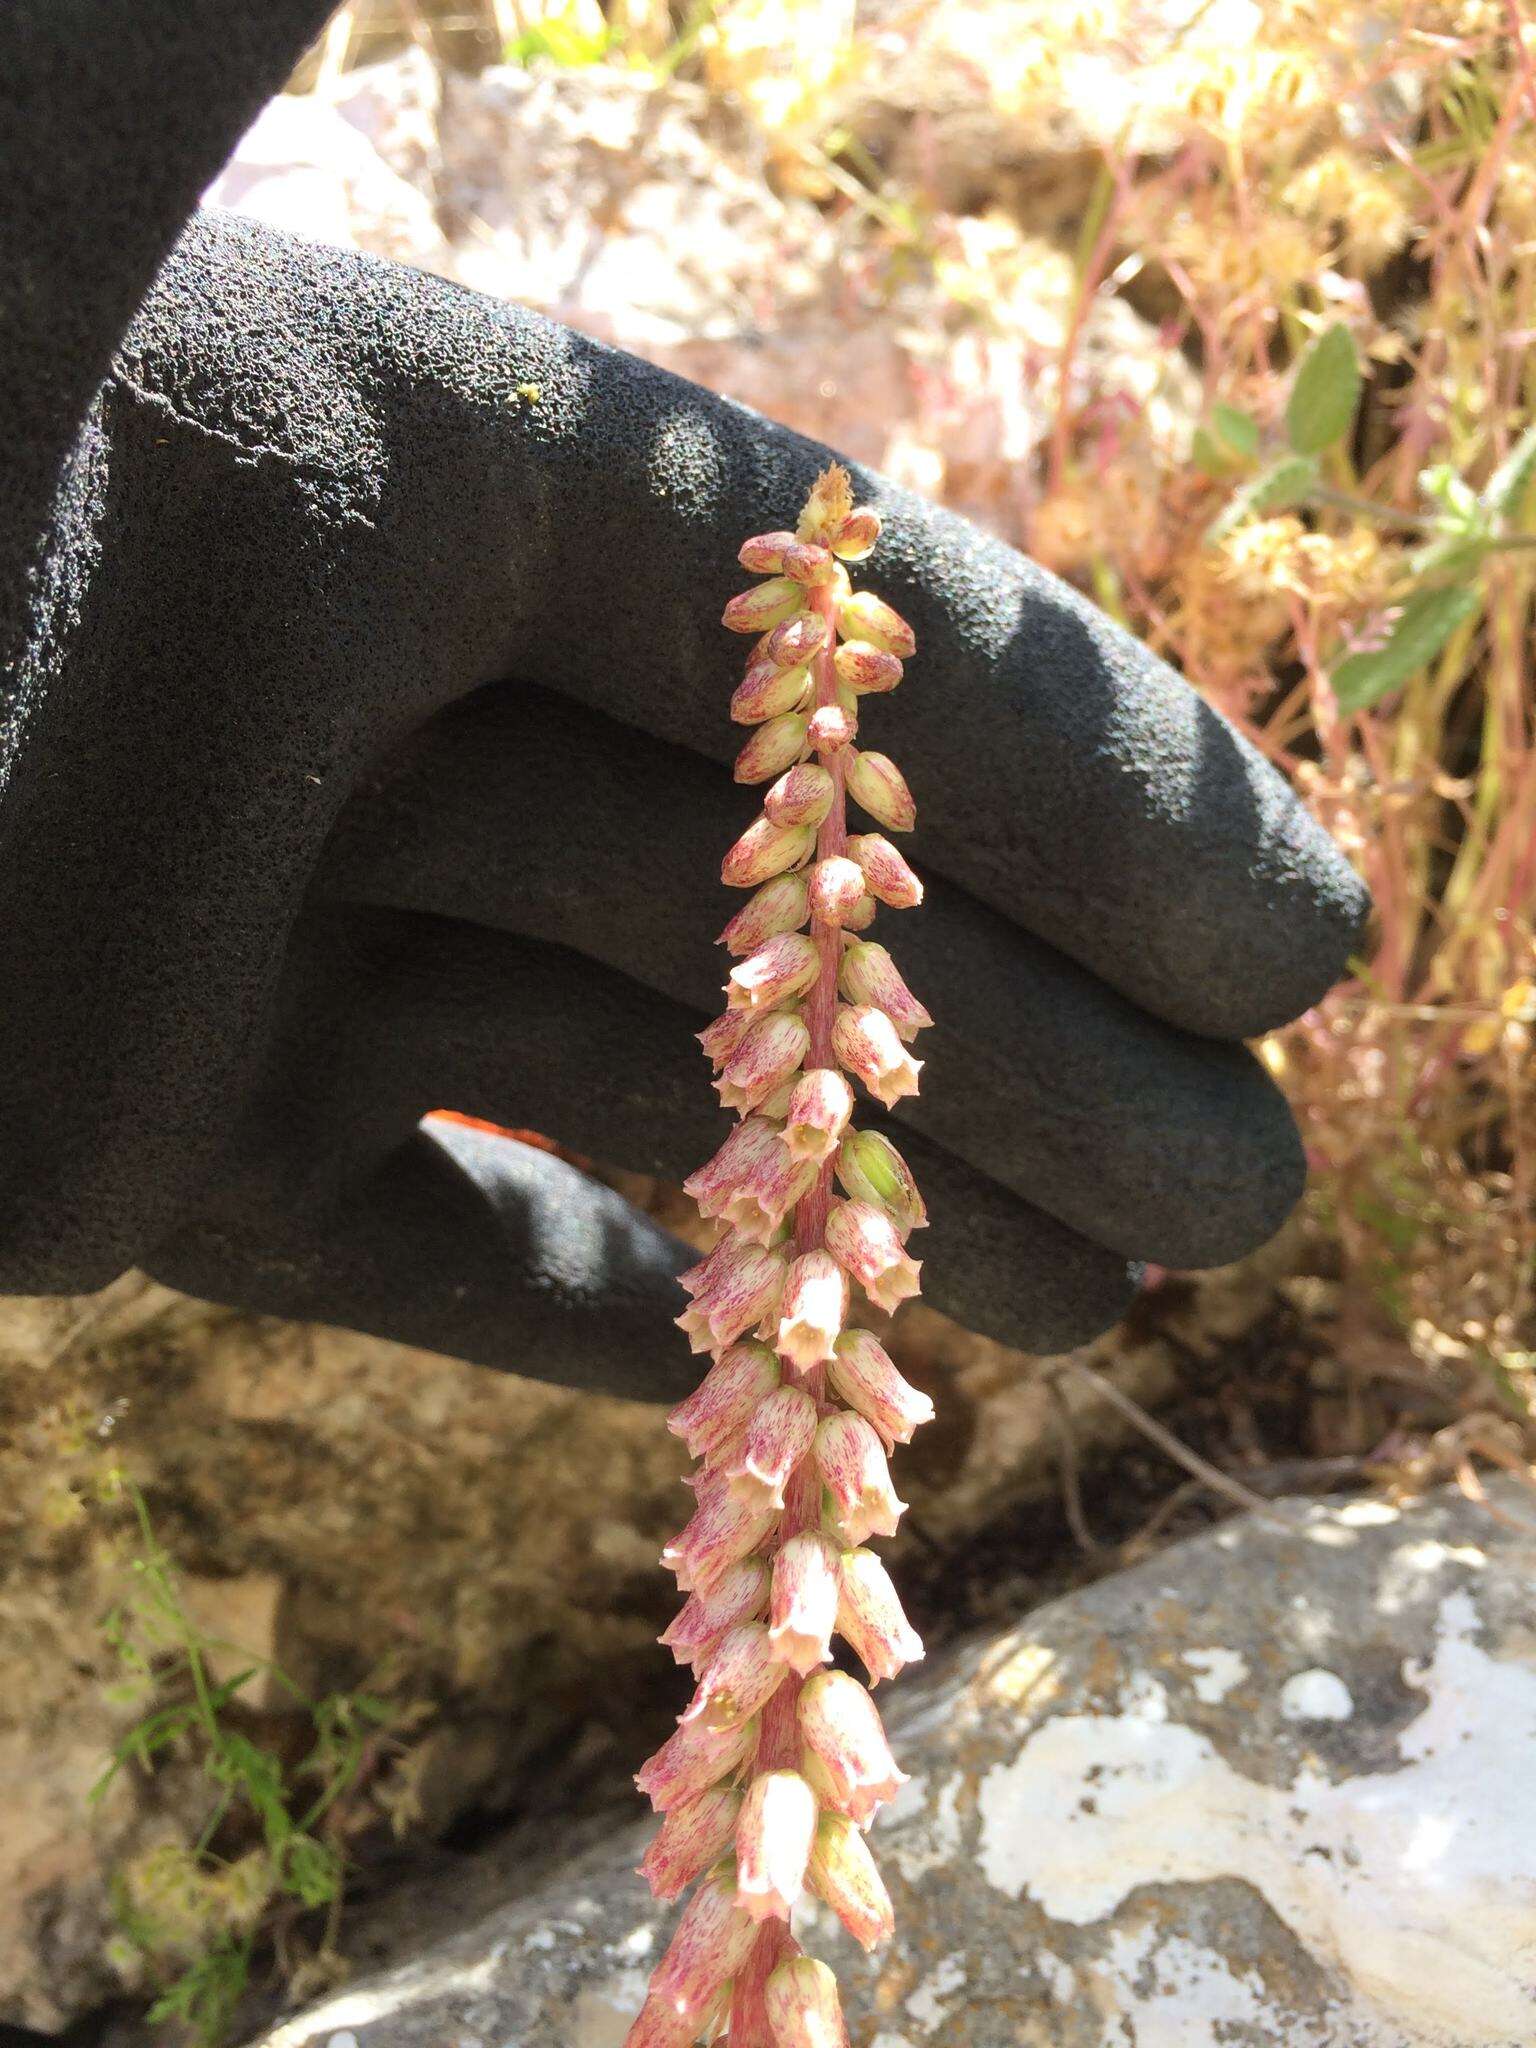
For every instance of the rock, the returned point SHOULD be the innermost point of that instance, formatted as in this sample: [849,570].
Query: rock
[1274,1785]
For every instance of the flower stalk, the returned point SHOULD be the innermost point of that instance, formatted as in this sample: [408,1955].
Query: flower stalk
[779,1763]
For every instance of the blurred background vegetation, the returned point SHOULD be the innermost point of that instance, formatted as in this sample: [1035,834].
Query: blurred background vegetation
[1345,567]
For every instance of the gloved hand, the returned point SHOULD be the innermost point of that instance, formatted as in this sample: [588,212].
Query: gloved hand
[368,757]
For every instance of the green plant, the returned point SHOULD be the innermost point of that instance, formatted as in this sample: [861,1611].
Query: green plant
[193,1916]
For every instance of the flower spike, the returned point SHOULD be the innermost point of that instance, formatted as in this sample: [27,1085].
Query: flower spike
[779,1762]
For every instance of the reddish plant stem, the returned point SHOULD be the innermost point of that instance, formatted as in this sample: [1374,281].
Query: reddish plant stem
[778,1744]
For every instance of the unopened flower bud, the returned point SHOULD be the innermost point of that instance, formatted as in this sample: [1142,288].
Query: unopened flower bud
[830,728]
[836,887]
[691,1838]
[740,1593]
[739,1680]
[866,670]
[843,1872]
[802,1609]
[867,617]
[771,749]
[872,1170]
[841,1724]
[713,1940]
[758,1204]
[721,1037]
[866,1043]
[800,1999]
[716,1414]
[885,871]
[659,2024]
[722,1531]
[852,1463]
[812,1309]
[768,691]
[854,537]
[780,969]
[864,1375]
[802,796]
[764,553]
[773,1843]
[750,1145]
[862,915]
[868,974]
[764,605]
[796,640]
[867,1244]
[809,564]
[693,1759]
[878,784]
[779,1435]
[763,851]
[781,905]
[818,1114]
[870,1617]
[766,1057]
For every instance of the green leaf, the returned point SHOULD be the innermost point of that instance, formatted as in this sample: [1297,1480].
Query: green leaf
[1426,622]
[1284,483]
[1239,430]
[1209,456]
[1325,393]
[1504,492]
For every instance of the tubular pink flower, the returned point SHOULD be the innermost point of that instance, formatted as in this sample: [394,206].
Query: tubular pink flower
[712,1940]
[776,1755]
[716,1414]
[758,1205]
[796,640]
[738,1681]
[866,1042]
[691,1838]
[782,905]
[779,970]
[836,887]
[764,553]
[802,2005]
[865,669]
[763,606]
[862,1372]
[878,784]
[885,871]
[740,1593]
[775,746]
[763,851]
[773,1843]
[843,1872]
[766,1057]
[802,1611]
[768,691]
[851,1460]
[830,728]
[811,1310]
[801,796]
[867,1244]
[870,1616]
[779,1435]
[870,1169]
[744,1291]
[867,617]
[869,975]
[817,1115]
[691,1760]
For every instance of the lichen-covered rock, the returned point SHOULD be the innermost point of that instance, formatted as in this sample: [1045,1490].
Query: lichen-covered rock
[1274,1786]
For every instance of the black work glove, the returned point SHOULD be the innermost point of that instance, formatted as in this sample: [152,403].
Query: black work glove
[368,756]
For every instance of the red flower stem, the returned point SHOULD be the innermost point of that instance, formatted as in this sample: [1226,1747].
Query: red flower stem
[778,1744]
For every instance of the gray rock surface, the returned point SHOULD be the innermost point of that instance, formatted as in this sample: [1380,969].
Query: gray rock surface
[1276,1785]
